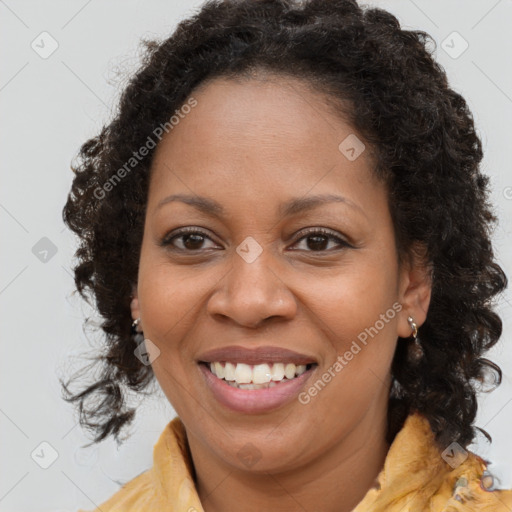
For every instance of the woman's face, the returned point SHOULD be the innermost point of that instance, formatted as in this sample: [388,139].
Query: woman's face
[254,278]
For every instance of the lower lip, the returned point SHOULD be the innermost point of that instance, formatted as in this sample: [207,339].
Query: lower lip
[254,400]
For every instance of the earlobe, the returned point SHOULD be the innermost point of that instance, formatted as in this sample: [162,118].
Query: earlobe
[134,307]
[415,292]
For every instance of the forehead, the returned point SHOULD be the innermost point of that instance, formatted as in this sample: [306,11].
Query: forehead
[269,137]
[273,108]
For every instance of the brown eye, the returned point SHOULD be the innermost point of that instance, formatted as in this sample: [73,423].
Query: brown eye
[192,240]
[317,240]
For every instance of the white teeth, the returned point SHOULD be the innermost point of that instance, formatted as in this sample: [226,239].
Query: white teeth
[261,373]
[253,386]
[229,371]
[245,376]
[300,369]
[243,373]
[278,371]
[219,370]
[289,371]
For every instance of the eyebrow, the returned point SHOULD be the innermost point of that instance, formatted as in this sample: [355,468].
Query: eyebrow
[292,207]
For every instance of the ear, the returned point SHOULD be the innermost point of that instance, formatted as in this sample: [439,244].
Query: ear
[415,289]
[134,305]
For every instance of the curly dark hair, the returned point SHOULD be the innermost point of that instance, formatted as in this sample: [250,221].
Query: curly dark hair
[386,83]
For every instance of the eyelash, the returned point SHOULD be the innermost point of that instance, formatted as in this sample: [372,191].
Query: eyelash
[167,241]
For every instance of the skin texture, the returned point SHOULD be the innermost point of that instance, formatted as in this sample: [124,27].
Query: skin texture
[252,145]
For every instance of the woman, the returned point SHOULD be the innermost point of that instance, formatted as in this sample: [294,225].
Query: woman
[287,226]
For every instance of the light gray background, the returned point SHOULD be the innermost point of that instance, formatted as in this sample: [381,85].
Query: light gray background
[48,107]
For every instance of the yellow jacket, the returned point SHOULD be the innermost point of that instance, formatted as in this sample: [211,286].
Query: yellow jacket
[415,478]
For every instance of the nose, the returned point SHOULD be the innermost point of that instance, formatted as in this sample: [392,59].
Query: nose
[251,293]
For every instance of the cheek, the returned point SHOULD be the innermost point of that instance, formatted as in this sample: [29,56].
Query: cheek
[169,307]
[172,300]
[352,300]
[357,311]
[165,293]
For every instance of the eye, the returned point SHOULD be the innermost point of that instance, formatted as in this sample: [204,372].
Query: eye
[192,239]
[319,238]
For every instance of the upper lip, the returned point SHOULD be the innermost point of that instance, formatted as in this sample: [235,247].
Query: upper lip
[259,355]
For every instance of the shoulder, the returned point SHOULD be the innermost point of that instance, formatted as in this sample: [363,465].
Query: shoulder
[419,474]
[168,483]
[137,494]
[469,487]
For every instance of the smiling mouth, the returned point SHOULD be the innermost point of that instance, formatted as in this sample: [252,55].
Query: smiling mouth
[259,376]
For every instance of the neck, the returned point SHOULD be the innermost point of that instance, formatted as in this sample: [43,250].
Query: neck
[336,481]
